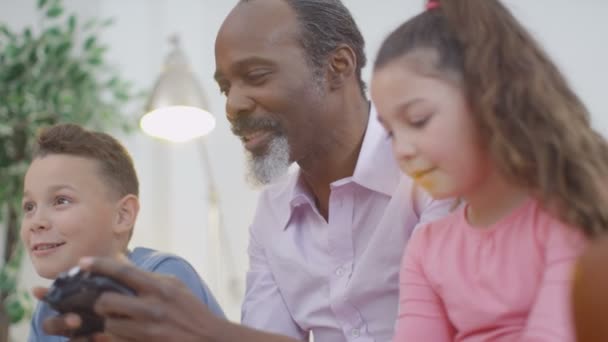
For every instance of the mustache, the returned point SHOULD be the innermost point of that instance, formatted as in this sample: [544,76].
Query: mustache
[244,125]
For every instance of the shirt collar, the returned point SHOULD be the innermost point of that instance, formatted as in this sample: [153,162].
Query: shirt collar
[376,170]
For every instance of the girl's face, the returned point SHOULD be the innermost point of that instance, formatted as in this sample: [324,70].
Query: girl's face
[426,115]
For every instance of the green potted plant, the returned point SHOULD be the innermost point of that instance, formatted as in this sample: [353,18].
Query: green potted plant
[54,74]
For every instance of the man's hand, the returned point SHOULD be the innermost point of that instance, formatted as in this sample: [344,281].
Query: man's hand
[64,325]
[163,310]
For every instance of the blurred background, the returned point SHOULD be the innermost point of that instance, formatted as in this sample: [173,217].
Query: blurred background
[174,180]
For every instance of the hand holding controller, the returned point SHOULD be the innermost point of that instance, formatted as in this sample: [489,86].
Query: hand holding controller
[76,291]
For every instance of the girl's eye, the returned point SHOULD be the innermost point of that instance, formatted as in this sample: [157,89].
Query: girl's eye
[418,116]
[420,122]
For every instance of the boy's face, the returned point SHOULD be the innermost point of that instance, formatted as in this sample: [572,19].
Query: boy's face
[68,212]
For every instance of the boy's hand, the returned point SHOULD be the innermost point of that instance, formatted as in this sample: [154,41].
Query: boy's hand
[163,310]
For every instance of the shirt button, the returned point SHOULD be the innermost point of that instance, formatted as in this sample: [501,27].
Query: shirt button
[355,332]
[340,272]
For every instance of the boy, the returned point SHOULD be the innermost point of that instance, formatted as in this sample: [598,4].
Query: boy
[80,199]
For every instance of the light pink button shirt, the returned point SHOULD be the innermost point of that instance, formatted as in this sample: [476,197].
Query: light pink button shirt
[338,279]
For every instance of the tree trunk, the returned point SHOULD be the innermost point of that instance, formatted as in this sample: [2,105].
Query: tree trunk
[4,326]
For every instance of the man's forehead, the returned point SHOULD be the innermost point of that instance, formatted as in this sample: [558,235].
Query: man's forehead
[260,22]
[255,34]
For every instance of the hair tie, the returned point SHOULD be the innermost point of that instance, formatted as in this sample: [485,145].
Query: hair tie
[431,4]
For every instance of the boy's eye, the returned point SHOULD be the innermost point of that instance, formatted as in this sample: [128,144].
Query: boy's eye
[28,206]
[62,200]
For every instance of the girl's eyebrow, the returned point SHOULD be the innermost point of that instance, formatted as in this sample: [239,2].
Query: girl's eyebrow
[405,106]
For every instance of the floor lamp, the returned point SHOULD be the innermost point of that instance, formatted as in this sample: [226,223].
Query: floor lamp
[176,111]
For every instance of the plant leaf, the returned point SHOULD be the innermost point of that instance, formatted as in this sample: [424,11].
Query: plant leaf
[88,44]
[108,22]
[14,308]
[7,280]
[95,60]
[54,11]
[5,31]
[54,31]
[41,3]
[89,24]
[72,23]
[63,48]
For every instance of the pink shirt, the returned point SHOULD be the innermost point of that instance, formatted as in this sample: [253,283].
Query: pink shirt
[507,282]
[337,279]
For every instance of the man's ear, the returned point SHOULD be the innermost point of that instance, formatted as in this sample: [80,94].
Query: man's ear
[342,66]
[127,210]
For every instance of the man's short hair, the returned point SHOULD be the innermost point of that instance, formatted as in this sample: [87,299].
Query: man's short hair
[325,25]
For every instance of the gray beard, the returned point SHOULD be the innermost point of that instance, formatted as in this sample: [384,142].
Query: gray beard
[265,169]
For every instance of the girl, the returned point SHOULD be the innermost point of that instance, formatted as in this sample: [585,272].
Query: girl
[476,109]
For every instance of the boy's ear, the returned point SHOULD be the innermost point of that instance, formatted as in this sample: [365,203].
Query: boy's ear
[128,208]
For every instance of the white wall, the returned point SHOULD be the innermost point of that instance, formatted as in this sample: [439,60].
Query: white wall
[173,216]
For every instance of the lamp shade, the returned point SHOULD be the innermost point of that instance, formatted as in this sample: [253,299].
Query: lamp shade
[177,107]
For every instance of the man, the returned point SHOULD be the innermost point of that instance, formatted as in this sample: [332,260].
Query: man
[326,242]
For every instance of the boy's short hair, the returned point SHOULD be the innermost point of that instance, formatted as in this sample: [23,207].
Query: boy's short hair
[116,164]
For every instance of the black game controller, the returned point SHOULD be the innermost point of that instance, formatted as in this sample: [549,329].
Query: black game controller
[76,291]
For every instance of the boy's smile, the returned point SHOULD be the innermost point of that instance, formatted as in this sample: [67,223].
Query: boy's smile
[41,248]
